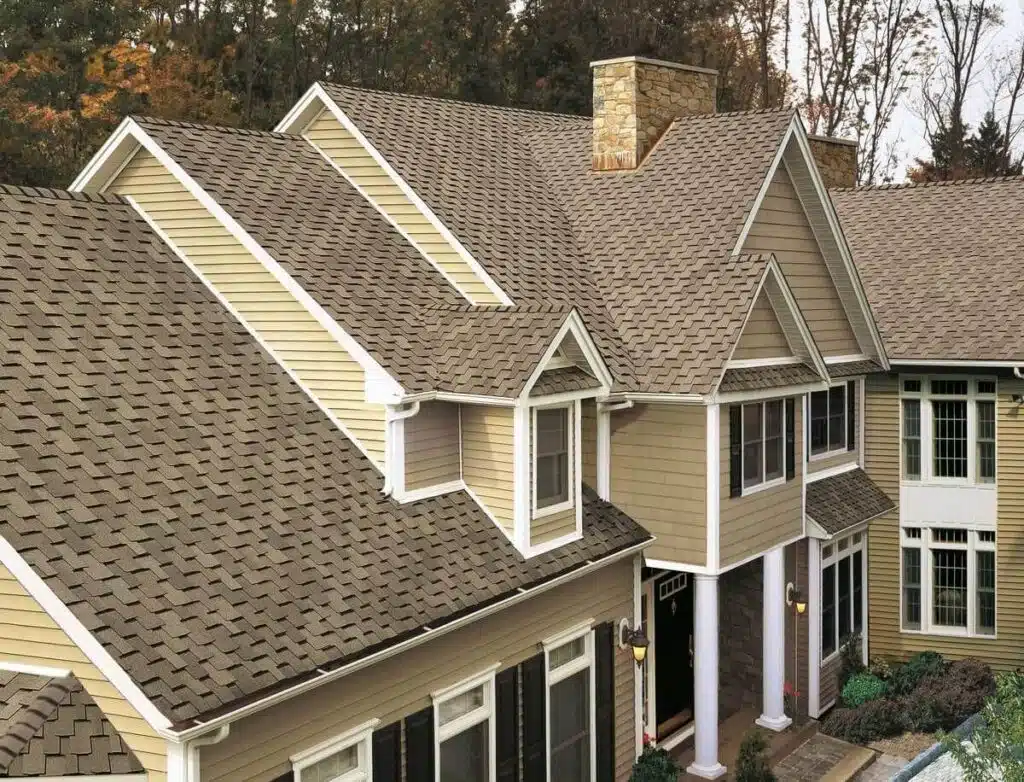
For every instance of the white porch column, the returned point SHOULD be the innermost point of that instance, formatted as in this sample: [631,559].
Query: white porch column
[773,714]
[705,680]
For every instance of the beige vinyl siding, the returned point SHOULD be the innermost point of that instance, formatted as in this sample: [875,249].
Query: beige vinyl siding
[298,339]
[488,452]
[258,747]
[882,462]
[658,468]
[432,446]
[588,435]
[763,336]
[846,457]
[781,227]
[544,529]
[29,636]
[762,520]
[333,140]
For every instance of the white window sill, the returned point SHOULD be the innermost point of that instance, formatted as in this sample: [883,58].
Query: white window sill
[938,483]
[551,510]
[950,632]
[757,487]
[824,455]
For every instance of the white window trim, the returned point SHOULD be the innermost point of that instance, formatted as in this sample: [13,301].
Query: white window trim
[764,485]
[834,452]
[927,429]
[586,631]
[359,736]
[925,545]
[572,418]
[484,713]
[833,559]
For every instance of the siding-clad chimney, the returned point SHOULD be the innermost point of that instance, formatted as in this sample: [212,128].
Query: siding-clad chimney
[636,99]
[836,159]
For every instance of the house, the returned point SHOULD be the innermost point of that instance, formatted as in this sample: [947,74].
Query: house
[359,448]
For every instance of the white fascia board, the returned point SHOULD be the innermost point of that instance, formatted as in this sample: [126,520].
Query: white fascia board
[566,396]
[763,190]
[105,158]
[379,382]
[305,110]
[35,670]
[659,399]
[290,124]
[755,363]
[86,642]
[832,472]
[794,309]
[957,363]
[734,397]
[678,567]
[573,324]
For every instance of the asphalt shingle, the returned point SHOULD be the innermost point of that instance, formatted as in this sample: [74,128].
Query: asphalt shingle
[842,501]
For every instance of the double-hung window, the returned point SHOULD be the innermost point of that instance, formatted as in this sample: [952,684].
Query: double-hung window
[346,758]
[553,459]
[465,731]
[828,424]
[948,429]
[842,591]
[948,579]
[764,443]
[570,681]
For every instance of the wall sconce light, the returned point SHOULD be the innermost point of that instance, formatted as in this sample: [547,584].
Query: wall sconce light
[635,640]
[793,597]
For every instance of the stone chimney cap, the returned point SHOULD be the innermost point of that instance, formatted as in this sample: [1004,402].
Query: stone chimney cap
[832,140]
[651,61]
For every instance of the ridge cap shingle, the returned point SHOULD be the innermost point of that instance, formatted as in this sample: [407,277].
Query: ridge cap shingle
[994,180]
[56,193]
[143,120]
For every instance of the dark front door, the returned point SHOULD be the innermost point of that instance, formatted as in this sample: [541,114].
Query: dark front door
[673,659]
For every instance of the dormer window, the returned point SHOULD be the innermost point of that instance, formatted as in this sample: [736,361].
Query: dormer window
[552,463]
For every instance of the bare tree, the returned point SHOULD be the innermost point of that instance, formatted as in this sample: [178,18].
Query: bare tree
[1008,94]
[762,18]
[833,32]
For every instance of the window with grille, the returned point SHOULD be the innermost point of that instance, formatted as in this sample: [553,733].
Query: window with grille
[465,726]
[552,458]
[570,709]
[949,419]
[343,759]
[827,430]
[986,441]
[764,443]
[842,592]
[911,438]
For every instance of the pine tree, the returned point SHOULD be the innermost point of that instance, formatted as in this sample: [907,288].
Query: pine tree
[987,152]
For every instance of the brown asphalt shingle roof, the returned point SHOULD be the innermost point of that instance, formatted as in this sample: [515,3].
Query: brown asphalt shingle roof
[941,264]
[755,378]
[842,501]
[189,504]
[557,381]
[51,727]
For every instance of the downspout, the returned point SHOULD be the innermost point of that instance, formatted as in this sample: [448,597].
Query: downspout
[604,446]
[390,445]
[1017,373]
[191,750]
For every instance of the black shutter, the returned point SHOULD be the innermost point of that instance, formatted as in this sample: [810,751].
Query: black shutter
[535,767]
[790,439]
[387,753]
[735,450]
[506,686]
[419,745]
[851,415]
[604,674]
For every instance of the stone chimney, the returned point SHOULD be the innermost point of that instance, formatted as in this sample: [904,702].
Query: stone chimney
[836,159]
[636,99]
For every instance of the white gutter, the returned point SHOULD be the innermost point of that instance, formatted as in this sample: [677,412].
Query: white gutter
[929,362]
[428,634]
[449,396]
[682,399]
[183,755]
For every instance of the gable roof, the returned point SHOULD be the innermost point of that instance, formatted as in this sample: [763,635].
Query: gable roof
[50,726]
[839,502]
[189,504]
[941,266]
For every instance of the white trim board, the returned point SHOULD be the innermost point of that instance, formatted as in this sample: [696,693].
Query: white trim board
[573,324]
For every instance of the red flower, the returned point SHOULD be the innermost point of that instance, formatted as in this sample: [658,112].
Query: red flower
[789,690]
[647,739]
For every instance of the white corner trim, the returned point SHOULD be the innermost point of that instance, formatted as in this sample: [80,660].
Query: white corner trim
[713,499]
[794,310]
[604,452]
[427,492]
[82,638]
[253,332]
[831,472]
[487,511]
[35,670]
[318,92]
[521,457]
[573,324]
[677,567]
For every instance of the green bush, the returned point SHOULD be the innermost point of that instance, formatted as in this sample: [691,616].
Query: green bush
[880,667]
[655,765]
[861,688]
[906,677]
[752,764]
[873,720]
[997,750]
[851,661]
[947,699]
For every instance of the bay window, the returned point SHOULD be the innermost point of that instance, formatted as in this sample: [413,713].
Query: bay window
[553,459]
[465,731]
[948,430]
[842,591]
[570,682]
[764,443]
[948,579]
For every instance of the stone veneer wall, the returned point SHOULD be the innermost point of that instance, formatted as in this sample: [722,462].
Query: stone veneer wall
[636,99]
[740,624]
[836,159]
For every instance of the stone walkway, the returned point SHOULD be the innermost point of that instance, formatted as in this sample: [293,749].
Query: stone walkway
[812,760]
[883,769]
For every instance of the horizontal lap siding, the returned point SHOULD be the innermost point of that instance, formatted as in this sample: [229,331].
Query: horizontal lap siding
[762,336]
[29,636]
[432,446]
[488,448]
[302,344]
[658,467]
[544,529]
[588,436]
[328,135]
[258,747]
[781,227]
[762,520]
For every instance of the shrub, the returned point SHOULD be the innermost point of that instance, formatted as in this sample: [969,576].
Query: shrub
[947,699]
[872,720]
[752,764]
[880,667]
[907,676]
[998,740]
[655,765]
[851,660]
[861,688]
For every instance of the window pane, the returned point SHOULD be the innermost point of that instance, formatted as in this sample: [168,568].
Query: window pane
[752,445]
[858,592]
[911,438]
[949,535]
[912,589]
[570,728]
[464,756]
[950,443]
[845,599]
[460,705]
[949,590]
[986,441]
[819,421]
[986,386]
[837,418]
[333,766]
[552,430]
[912,386]
[552,476]
[949,387]
[828,611]
[774,459]
[566,653]
[987,592]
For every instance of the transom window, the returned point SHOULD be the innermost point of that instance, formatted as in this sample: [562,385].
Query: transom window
[764,443]
[842,592]
[828,424]
[552,459]
[949,580]
[465,732]
[570,672]
[343,759]
[948,430]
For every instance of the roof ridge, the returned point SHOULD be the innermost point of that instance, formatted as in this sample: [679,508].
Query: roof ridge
[60,194]
[944,183]
[739,113]
[174,123]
